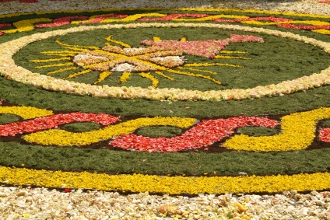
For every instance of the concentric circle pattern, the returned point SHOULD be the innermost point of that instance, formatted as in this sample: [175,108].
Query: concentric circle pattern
[170,101]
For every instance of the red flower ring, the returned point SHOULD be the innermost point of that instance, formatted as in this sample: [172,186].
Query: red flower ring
[53,121]
[203,134]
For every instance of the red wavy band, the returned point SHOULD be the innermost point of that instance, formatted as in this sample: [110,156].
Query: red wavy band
[54,121]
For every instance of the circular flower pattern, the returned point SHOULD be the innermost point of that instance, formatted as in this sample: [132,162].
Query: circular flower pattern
[211,136]
[19,74]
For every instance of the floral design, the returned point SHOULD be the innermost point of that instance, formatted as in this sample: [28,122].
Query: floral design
[13,72]
[54,121]
[291,138]
[40,126]
[25,112]
[208,48]
[203,134]
[163,55]
[61,21]
[66,138]
[298,131]
[314,25]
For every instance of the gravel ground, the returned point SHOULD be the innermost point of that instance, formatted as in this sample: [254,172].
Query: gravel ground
[41,203]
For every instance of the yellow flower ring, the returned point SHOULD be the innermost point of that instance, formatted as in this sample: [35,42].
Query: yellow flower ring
[20,74]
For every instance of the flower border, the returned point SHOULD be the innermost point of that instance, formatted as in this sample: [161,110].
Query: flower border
[165,184]
[20,74]
[321,27]
[298,131]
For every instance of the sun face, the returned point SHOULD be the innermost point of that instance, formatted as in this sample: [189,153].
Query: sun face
[157,60]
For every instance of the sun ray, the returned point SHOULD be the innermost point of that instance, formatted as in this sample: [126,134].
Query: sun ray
[60,53]
[164,75]
[76,46]
[50,60]
[62,70]
[153,79]
[212,64]
[195,75]
[55,65]
[63,55]
[193,69]
[125,76]
[117,42]
[73,48]
[159,67]
[231,57]
[77,74]
[123,58]
[111,54]
[103,76]
[103,63]
[230,51]
[76,49]
[156,38]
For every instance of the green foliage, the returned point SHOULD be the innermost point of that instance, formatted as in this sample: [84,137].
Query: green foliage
[8,118]
[257,131]
[80,126]
[30,96]
[190,163]
[326,123]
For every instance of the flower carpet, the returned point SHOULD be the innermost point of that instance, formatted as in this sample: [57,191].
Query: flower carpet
[175,101]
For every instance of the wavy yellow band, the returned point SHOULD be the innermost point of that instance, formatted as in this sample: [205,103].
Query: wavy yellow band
[164,184]
[25,112]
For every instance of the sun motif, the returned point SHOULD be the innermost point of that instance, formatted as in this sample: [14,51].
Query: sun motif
[160,58]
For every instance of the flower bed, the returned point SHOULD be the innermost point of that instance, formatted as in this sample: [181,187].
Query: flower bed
[246,92]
